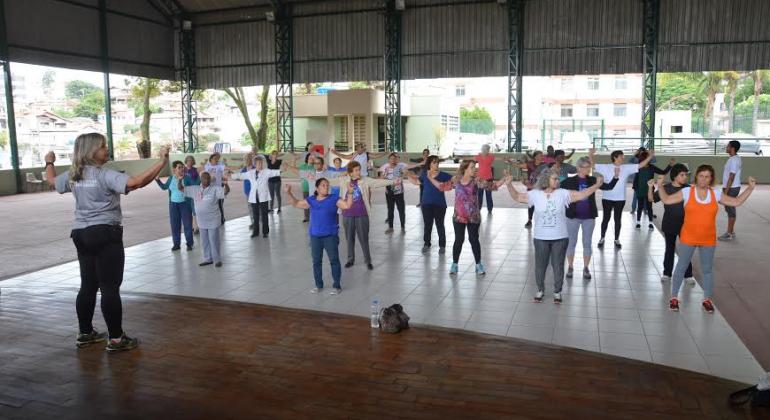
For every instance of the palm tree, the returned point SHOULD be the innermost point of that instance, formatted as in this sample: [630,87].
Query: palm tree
[711,85]
[732,78]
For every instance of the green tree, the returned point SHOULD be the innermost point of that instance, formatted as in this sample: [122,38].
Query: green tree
[476,120]
[205,139]
[88,99]
[305,89]
[732,78]
[49,77]
[758,78]
[258,134]
[3,139]
[77,89]
[142,90]
[680,91]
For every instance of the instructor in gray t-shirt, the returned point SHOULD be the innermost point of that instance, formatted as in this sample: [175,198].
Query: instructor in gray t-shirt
[98,234]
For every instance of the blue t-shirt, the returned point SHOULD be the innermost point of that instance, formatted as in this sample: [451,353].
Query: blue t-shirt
[430,194]
[323,215]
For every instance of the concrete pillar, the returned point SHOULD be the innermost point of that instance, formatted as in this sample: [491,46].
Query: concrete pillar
[329,140]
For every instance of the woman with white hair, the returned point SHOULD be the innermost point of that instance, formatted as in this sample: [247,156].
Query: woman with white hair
[259,192]
[98,233]
[551,234]
[583,213]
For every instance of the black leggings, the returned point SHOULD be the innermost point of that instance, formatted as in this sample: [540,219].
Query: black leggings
[530,213]
[643,204]
[222,209]
[101,257]
[397,201]
[608,206]
[473,238]
[274,186]
[259,212]
[433,214]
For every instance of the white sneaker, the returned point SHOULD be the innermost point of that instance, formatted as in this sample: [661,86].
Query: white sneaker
[539,296]
[665,278]
[689,281]
[557,298]
[315,290]
[335,291]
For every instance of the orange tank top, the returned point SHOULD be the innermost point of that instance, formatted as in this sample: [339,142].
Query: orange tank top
[700,227]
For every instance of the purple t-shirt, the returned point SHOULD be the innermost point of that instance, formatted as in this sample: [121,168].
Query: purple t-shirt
[358,208]
[582,207]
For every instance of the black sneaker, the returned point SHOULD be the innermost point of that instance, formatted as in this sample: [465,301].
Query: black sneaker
[85,340]
[617,244]
[348,264]
[442,250]
[264,235]
[425,248]
[176,248]
[189,247]
[125,343]
[279,210]
[651,226]
[638,226]
[600,244]
[586,273]
[270,211]
[370,266]
[528,224]
[569,272]
[218,264]
[205,263]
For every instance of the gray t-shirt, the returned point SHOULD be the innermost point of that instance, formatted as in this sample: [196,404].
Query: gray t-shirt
[97,196]
[206,204]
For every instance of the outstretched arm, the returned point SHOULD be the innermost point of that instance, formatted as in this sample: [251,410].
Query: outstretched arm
[341,155]
[521,197]
[667,198]
[377,155]
[570,154]
[300,204]
[741,198]
[582,195]
[413,178]
[647,160]
[144,178]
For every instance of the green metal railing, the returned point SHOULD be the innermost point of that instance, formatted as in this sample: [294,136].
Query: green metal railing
[684,145]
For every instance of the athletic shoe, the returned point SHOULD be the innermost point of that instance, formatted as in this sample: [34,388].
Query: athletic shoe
[189,247]
[557,298]
[316,290]
[254,234]
[335,291]
[586,273]
[673,304]
[480,270]
[665,278]
[418,206]
[196,231]
[304,220]
[617,244]
[279,210]
[270,210]
[569,272]
[654,216]
[388,231]
[600,244]
[403,229]
[708,306]
[176,248]
[727,237]
[251,226]
[425,248]
[442,250]
[123,344]
[264,235]
[528,225]
[205,263]
[453,269]
[690,281]
[651,226]
[638,226]
[539,296]
[349,264]
[218,264]
[85,340]
[370,266]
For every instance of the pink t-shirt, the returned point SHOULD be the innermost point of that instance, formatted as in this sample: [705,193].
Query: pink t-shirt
[485,166]
[549,159]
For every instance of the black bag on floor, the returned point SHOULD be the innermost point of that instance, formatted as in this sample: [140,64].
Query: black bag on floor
[758,395]
[393,319]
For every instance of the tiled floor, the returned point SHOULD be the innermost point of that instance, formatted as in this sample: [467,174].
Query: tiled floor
[622,311]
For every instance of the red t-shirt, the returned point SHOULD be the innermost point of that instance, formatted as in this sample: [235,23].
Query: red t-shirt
[319,149]
[485,166]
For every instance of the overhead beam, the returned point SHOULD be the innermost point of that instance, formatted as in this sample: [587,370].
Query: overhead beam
[105,60]
[284,75]
[650,29]
[515,72]
[393,54]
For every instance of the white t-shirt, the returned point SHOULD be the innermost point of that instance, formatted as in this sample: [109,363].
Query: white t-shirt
[206,204]
[608,170]
[363,159]
[550,213]
[686,196]
[733,165]
[217,173]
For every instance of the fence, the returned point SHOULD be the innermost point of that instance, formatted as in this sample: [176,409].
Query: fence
[684,145]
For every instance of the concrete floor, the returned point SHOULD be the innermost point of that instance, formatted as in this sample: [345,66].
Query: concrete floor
[621,312]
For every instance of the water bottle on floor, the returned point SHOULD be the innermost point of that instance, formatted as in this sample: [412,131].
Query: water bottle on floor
[376,314]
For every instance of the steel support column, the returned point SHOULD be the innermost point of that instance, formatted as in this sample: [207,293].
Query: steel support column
[284,75]
[649,69]
[393,129]
[10,115]
[188,85]
[515,62]
[105,58]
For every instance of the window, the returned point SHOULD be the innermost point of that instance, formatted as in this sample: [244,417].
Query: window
[359,129]
[566,83]
[460,90]
[618,133]
[619,110]
[621,83]
[592,110]
[593,83]
[566,111]
[676,129]
[454,124]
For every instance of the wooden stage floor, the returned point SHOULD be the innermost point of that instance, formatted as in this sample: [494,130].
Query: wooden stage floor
[212,359]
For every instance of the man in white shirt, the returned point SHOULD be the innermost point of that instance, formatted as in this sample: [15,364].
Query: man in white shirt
[731,185]
[361,156]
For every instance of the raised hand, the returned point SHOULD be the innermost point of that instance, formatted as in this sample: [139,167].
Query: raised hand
[50,157]
[752,182]
[591,151]
[651,183]
[599,179]
[660,182]
[163,152]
